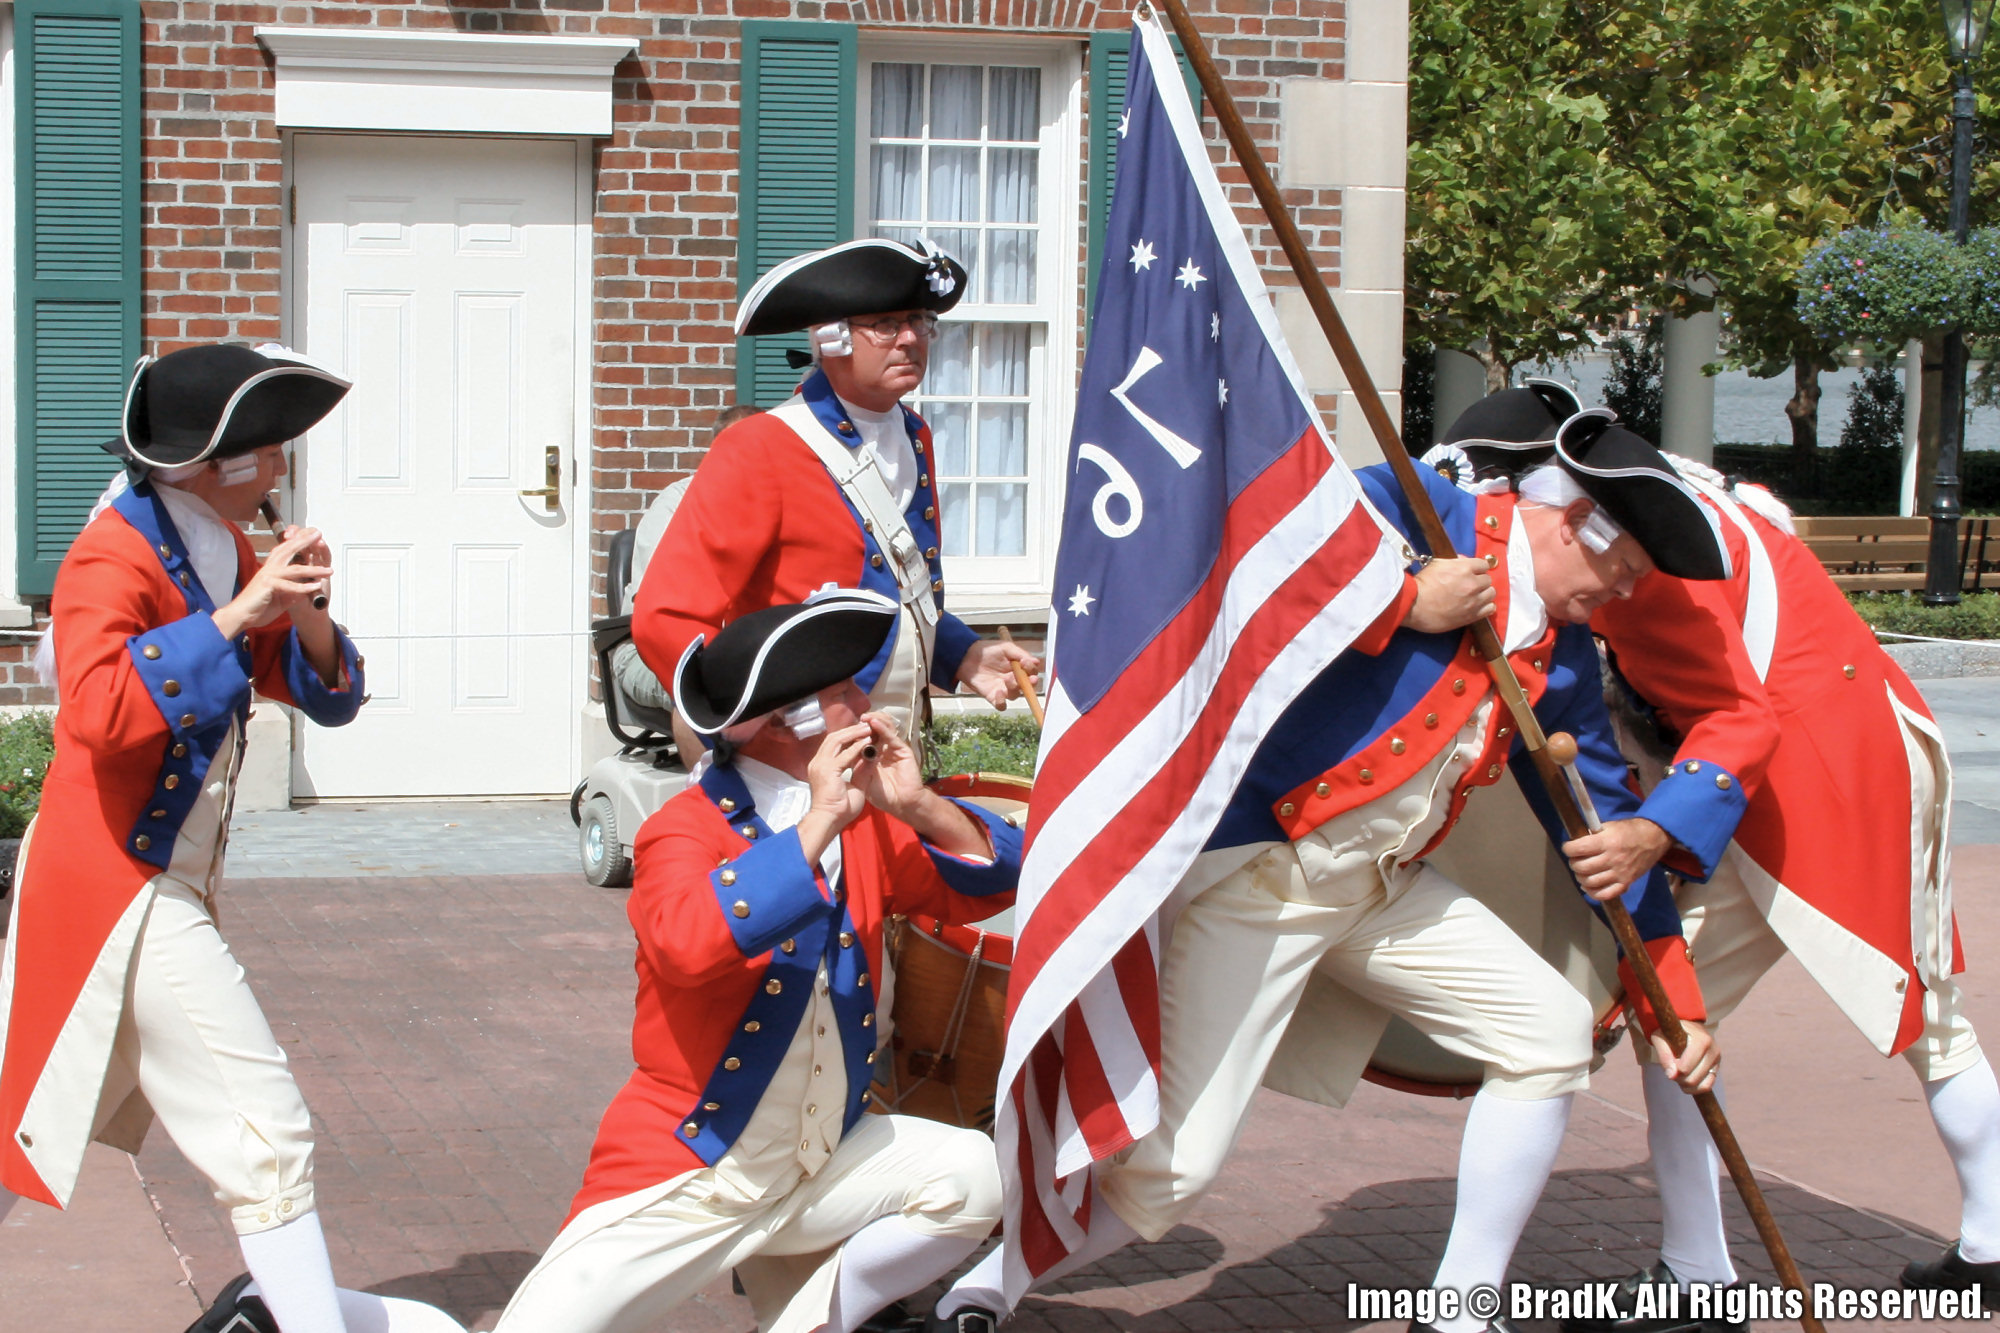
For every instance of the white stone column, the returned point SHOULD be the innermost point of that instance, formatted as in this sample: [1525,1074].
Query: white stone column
[1913,415]
[1352,134]
[1458,381]
[1687,397]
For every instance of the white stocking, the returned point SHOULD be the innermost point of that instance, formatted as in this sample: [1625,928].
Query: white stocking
[1966,1110]
[886,1261]
[983,1286]
[294,1276]
[1504,1161]
[366,1312]
[1687,1166]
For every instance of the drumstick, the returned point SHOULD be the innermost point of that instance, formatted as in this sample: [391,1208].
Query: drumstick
[1562,749]
[277,525]
[1021,679]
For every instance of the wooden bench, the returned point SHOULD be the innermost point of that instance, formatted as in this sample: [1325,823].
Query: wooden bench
[1890,554]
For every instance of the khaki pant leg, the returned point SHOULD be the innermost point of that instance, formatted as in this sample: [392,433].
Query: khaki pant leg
[196,1042]
[1731,943]
[1238,962]
[1442,960]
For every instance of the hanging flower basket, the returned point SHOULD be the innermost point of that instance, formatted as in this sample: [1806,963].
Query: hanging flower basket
[1885,285]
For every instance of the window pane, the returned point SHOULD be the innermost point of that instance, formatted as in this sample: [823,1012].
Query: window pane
[1003,440]
[1010,186]
[950,373]
[951,432]
[898,111]
[907,235]
[1010,268]
[956,497]
[955,101]
[1017,95]
[895,183]
[1003,520]
[954,185]
[964,247]
[1003,361]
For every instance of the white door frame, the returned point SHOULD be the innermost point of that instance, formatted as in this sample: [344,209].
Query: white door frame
[579,493]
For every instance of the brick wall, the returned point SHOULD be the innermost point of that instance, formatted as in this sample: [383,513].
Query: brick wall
[665,279]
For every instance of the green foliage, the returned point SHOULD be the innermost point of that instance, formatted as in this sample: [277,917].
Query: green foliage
[1977,615]
[1634,387]
[1874,413]
[27,744]
[1882,285]
[1419,396]
[984,743]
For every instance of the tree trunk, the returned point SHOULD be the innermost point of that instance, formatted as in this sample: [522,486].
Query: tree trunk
[1803,409]
[1498,372]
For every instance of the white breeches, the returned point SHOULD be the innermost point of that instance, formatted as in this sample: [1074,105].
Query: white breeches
[195,1044]
[619,1266]
[1239,960]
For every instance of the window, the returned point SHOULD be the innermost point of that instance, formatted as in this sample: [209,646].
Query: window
[976,148]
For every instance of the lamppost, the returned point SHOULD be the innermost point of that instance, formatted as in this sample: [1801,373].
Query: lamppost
[1965,29]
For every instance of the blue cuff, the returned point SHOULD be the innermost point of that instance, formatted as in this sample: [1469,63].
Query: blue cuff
[1699,804]
[954,640]
[968,878]
[193,673]
[768,894]
[329,708]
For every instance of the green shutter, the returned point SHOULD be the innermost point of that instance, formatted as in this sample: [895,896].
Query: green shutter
[797,170]
[1110,55]
[77,260]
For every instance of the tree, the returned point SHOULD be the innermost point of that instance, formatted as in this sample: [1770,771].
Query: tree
[1634,388]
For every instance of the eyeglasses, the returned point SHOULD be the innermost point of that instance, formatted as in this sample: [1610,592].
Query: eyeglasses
[884,330]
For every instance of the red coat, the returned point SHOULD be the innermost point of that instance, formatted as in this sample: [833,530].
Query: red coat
[149,691]
[732,926]
[1789,742]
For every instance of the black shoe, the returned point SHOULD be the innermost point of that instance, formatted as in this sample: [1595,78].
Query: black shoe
[1497,1324]
[897,1318]
[1626,1301]
[1952,1271]
[967,1319]
[233,1312]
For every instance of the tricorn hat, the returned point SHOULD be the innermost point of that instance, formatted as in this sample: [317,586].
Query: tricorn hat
[1640,490]
[221,399]
[868,277]
[778,656]
[1504,431]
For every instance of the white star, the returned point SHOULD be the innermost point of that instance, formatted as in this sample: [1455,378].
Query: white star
[1079,602]
[1142,256]
[1189,277]
[1222,393]
[1124,121]
[1215,327]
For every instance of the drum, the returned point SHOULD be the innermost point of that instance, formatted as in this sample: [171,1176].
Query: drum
[1499,854]
[947,996]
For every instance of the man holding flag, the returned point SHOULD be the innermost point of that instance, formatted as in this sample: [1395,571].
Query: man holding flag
[1263,715]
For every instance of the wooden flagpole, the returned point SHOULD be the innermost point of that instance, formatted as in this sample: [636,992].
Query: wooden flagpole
[1485,637]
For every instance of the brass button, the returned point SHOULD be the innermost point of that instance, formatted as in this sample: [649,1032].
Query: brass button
[1492,560]
[1692,766]
[158,814]
[1505,732]
[166,551]
[1493,770]
[1367,776]
[804,1146]
[142,842]
[1287,810]
[172,689]
[1431,720]
[727,877]
[847,939]
[691,1129]
[875,561]
[930,513]
[1322,789]
[753,1026]
[180,751]
[727,805]
[1537,664]
[822,1030]
[790,946]
[1492,522]
[773,986]
[750,832]
[1396,746]
[1458,687]
[865,1098]
[868,1020]
[173,780]
[359,660]
[923,479]
[870,1058]
[937,585]
[1722,781]
[187,720]
[711,1106]
[847,428]
[930,553]
[1902,984]
[1847,671]
[816,1071]
[862,980]
[732,1064]
[812,1108]
[741,908]
[152,652]
[184,578]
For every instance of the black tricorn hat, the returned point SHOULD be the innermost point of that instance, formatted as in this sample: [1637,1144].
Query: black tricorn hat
[779,655]
[1506,431]
[1640,490]
[221,399]
[867,277]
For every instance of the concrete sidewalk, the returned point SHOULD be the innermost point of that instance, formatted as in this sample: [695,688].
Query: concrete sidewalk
[457,1038]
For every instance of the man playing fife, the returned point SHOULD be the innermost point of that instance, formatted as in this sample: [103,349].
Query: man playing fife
[1313,895]
[743,1139]
[837,485]
[1806,805]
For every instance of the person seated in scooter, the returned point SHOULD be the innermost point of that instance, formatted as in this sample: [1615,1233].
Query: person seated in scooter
[743,1138]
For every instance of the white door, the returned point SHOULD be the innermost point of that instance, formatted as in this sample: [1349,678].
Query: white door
[440,275]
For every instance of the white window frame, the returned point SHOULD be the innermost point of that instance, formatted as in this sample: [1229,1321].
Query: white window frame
[991,583]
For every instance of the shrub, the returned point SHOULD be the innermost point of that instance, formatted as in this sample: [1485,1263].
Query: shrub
[27,744]
[1977,615]
[985,743]
[1635,386]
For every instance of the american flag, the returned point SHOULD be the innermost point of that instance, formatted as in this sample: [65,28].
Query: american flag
[1215,556]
